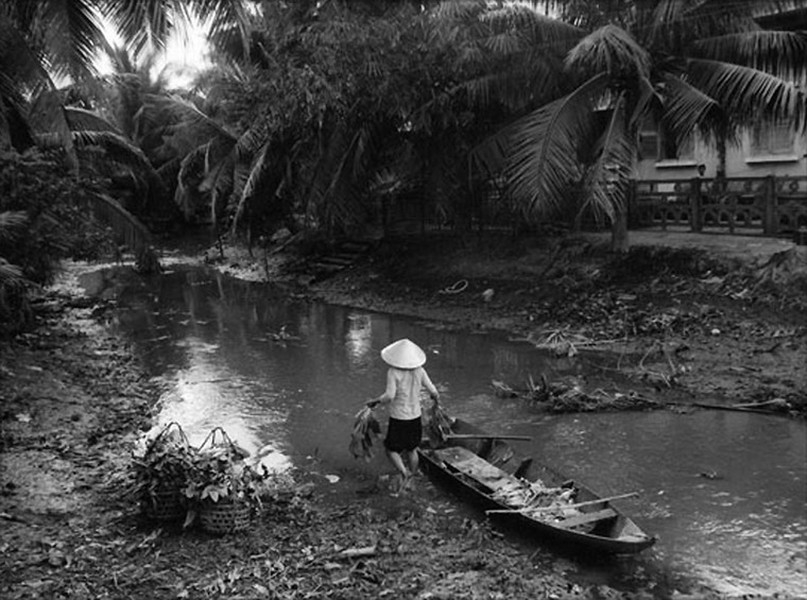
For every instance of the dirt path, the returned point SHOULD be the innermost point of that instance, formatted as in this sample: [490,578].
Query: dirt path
[746,248]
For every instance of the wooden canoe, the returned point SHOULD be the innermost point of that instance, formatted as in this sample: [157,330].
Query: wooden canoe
[530,496]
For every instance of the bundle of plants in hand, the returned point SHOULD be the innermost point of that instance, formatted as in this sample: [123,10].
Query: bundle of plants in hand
[365,430]
[439,425]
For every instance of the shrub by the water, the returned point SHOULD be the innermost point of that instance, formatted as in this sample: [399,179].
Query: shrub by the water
[54,222]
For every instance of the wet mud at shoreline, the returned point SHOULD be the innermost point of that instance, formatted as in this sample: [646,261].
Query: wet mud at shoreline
[74,401]
[682,324]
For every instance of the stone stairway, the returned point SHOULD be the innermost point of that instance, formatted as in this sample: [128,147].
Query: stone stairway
[344,255]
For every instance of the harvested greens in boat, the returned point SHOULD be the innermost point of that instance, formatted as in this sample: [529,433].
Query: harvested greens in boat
[536,500]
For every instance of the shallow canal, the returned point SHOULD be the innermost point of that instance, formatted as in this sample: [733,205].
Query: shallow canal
[725,492]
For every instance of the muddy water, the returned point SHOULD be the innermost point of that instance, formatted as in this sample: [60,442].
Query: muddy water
[725,492]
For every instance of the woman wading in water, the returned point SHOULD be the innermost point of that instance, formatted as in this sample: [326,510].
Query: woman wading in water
[406,377]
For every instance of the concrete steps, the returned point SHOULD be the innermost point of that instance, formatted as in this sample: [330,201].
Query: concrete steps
[344,255]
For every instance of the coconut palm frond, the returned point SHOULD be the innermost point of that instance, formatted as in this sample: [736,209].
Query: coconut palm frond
[11,222]
[334,194]
[141,23]
[252,141]
[669,11]
[686,106]
[157,110]
[666,14]
[242,169]
[489,157]
[229,23]
[609,49]
[190,169]
[503,43]
[780,53]
[245,152]
[255,177]
[264,160]
[544,158]
[534,25]
[120,151]
[15,131]
[47,115]
[80,119]
[169,170]
[192,116]
[480,90]
[220,182]
[748,93]
[647,96]
[607,180]
[459,10]
[73,34]
[135,235]
[10,274]
[19,63]
[760,9]
[184,200]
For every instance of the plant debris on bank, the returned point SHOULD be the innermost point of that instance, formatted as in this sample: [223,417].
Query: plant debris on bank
[75,403]
[75,406]
[680,324]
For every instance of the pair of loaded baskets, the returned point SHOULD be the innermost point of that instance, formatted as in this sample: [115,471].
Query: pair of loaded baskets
[211,484]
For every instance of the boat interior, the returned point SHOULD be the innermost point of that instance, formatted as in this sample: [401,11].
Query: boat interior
[492,467]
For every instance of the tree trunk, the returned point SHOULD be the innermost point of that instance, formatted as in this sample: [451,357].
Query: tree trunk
[619,229]
[720,173]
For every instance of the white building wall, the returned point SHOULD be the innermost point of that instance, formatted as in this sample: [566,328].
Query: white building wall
[740,162]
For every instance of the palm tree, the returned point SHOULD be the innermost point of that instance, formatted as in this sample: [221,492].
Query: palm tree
[308,127]
[45,41]
[705,66]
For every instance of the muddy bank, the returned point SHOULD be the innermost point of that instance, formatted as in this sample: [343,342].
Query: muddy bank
[684,325]
[74,402]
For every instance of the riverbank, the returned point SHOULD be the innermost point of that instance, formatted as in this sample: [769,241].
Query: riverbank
[683,321]
[75,400]
[74,403]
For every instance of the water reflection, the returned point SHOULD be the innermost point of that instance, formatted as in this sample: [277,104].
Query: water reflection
[359,341]
[285,378]
[743,531]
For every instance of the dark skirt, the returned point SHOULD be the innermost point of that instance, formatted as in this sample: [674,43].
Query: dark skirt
[403,436]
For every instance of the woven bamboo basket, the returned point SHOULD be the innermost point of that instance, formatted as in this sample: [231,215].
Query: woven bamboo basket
[225,516]
[165,504]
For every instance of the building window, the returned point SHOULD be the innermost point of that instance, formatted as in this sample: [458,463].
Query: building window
[769,138]
[657,143]
[669,149]
[648,144]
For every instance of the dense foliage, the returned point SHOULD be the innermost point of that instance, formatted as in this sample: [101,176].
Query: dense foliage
[48,217]
[347,117]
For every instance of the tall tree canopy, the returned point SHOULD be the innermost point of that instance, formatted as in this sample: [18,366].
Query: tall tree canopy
[578,77]
[47,41]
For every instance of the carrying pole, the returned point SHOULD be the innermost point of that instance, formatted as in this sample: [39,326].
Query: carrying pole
[535,509]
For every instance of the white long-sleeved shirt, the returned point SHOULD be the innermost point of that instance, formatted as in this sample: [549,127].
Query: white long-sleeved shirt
[403,392]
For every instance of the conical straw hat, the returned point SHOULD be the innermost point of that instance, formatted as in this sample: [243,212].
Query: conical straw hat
[403,354]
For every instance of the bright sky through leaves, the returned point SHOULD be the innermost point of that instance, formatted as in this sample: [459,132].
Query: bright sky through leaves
[186,52]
